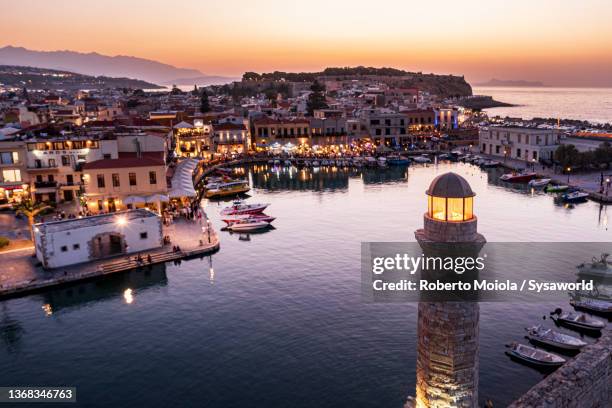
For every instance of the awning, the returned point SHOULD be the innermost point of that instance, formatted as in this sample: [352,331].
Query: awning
[182,179]
[133,200]
[157,197]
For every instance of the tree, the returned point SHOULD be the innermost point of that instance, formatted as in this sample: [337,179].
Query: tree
[30,209]
[316,100]
[204,104]
[176,91]
[567,155]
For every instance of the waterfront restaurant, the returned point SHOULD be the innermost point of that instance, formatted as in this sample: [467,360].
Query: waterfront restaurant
[78,240]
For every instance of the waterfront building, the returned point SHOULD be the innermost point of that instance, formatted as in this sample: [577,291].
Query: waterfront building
[78,240]
[14,180]
[230,138]
[530,144]
[131,180]
[192,140]
[326,131]
[268,131]
[386,127]
[420,119]
[446,118]
[448,331]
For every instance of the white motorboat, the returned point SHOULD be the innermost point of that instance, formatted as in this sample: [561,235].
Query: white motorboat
[421,159]
[248,225]
[518,177]
[240,207]
[535,356]
[553,338]
[315,163]
[597,267]
[579,321]
[539,182]
[575,197]
[232,219]
[594,305]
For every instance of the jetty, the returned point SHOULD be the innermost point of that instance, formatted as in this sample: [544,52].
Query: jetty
[24,275]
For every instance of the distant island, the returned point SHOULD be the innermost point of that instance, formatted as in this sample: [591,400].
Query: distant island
[510,82]
[52,79]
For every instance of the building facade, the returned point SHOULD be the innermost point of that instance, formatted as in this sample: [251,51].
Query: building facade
[529,144]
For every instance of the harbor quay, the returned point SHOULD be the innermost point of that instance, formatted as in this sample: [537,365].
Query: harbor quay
[182,239]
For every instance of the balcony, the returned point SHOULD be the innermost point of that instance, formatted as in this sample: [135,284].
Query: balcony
[45,184]
[40,167]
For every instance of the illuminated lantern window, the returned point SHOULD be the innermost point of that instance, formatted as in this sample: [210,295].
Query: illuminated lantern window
[450,198]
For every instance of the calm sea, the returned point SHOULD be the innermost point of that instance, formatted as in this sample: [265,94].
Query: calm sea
[278,320]
[592,104]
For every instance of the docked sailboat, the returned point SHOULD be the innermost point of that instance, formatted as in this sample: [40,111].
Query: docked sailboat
[549,337]
[227,189]
[579,321]
[240,207]
[535,356]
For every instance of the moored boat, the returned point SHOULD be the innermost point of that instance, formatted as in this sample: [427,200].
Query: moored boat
[397,160]
[593,305]
[489,164]
[556,188]
[248,225]
[553,338]
[232,219]
[574,197]
[579,321]
[240,207]
[421,159]
[539,182]
[518,177]
[535,356]
[227,189]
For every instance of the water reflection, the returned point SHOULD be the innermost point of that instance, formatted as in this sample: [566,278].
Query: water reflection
[11,330]
[124,285]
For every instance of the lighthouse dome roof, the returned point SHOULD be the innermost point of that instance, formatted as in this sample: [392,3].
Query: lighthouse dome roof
[450,185]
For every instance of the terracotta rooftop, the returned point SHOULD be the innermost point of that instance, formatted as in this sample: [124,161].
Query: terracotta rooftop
[127,160]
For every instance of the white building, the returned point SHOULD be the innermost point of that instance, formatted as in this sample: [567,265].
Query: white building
[74,241]
[530,144]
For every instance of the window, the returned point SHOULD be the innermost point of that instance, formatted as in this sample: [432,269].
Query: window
[152,177]
[132,179]
[9,157]
[76,246]
[116,182]
[64,248]
[101,183]
[143,235]
[69,179]
[65,160]
[11,175]
[52,163]
[107,155]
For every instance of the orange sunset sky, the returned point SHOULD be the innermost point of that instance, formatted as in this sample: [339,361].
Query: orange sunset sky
[562,42]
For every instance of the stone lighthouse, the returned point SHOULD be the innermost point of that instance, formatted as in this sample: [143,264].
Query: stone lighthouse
[447,355]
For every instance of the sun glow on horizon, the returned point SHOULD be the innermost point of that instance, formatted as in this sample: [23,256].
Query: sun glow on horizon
[562,42]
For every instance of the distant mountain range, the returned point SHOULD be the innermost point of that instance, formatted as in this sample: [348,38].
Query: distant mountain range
[51,79]
[510,82]
[97,64]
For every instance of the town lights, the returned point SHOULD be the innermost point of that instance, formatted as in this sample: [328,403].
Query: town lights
[450,198]
[121,221]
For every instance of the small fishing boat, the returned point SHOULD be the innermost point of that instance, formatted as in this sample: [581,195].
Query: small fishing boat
[539,182]
[597,267]
[518,177]
[579,321]
[232,219]
[594,305]
[227,189]
[240,207]
[490,164]
[574,197]
[370,161]
[553,338]
[248,225]
[397,160]
[421,159]
[382,162]
[556,188]
[535,356]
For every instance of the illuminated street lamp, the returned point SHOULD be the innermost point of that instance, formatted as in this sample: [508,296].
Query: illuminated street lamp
[569,169]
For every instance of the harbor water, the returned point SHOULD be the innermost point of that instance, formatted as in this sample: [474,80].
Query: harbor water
[276,319]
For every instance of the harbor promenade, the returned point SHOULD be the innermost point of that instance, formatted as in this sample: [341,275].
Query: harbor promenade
[588,182]
[22,273]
